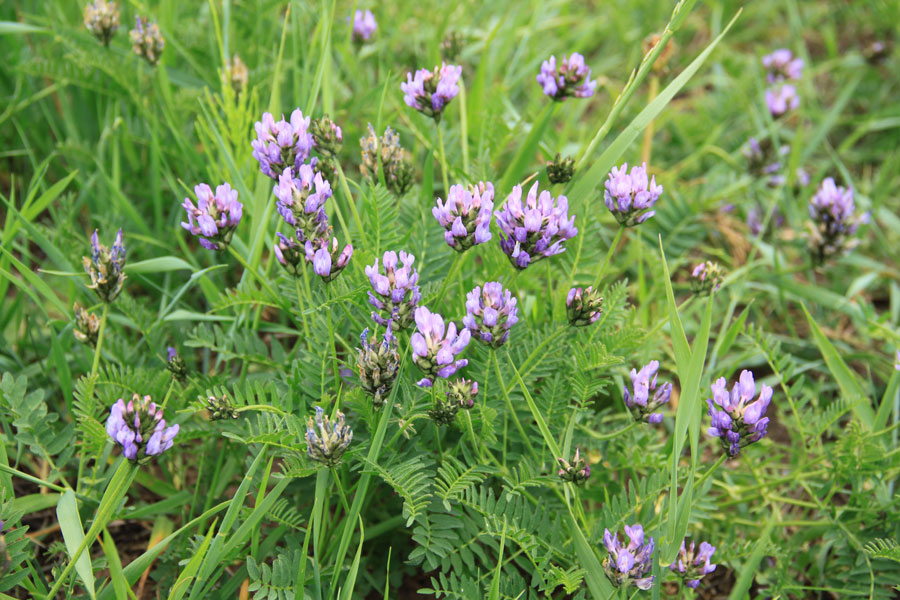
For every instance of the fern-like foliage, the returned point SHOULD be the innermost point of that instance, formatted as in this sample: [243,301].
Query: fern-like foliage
[36,427]
[454,478]
[412,480]
[884,548]
[275,581]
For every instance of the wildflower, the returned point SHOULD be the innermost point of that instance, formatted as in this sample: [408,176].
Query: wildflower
[237,74]
[289,252]
[571,78]
[575,472]
[583,306]
[490,313]
[102,19]
[536,229]
[220,408]
[106,267]
[463,392]
[631,563]
[283,144]
[146,40]
[434,350]
[692,565]
[327,441]
[327,262]
[430,91]
[87,326]
[834,221]
[781,65]
[217,215]
[364,25]
[740,422]
[781,99]
[327,140]
[706,278]
[452,45]
[639,403]
[176,365]
[387,150]
[301,201]
[378,364]
[630,196]
[877,51]
[466,215]
[561,169]
[396,293]
[139,428]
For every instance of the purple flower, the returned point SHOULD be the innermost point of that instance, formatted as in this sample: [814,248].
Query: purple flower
[490,313]
[693,565]
[327,261]
[396,293]
[834,221]
[217,215]
[781,65]
[583,306]
[535,229]
[466,215]
[364,25]
[289,252]
[627,564]
[576,471]
[301,201]
[434,350]
[106,267]
[139,428]
[283,144]
[571,78]
[781,99]
[430,91]
[326,441]
[639,403]
[741,421]
[630,196]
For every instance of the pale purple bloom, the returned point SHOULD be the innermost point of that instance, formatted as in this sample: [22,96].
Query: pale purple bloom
[326,260]
[490,313]
[106,266]
[631,563]
[396,293]
[289,252]
[781,99]
[781,65]
[301,201]
[139,428]
[834,221]
[741,420]
[217,215]
[571,78]
[430,91]
[640,404]
[283,144]
[533,229]
[694,565]
[364,25]
[434,349]
[466,215]
[630,196]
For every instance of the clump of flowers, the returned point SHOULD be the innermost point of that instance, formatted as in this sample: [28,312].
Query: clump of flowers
[327,140]
[301,201]
[87,326]
[781,99]
[327,262]
[220,408]
[576,471]
[629,564]
[327,440]
[398,170]
[289,252]
[642,407]
[561,169]
[364,25]
[396,293]
[106,267]
[435,348]
[694,565]
[535,229]
[176,365]
[429,92]
[378,363]
[834,221]
[139,427]
[281,145]
[630,196]
[572,78]
[490,313]
[706,278]
[146,40]
[102,19]
[237,74]
[583,306]
[741,421]
[218,215]
[466,215]
[781,65]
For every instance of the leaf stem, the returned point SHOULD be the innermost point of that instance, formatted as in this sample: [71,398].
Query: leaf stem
[612,248]
[443,159]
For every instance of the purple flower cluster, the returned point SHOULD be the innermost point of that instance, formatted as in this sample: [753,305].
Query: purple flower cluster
[430,91]
[364,25]
[781,99]
[694,565]
[396,293]
[834,221]
[571,78]
[535,229]
[282,145]
[639,403]
[630,196]
[466,215]
[490,312]
[106,267]
[434,348]
[741,421]
[139,428]
[629,564]
[326,259]
[217,215]
[301,201]
[583,306]
[781,65]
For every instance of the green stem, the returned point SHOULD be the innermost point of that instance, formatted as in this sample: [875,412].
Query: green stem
[710,470]
[454,267]
[353,209]
[512,410]
[443,159]
[303,316]
[612,248]
[334,360]
[168,393]
[475,443]
[607,436]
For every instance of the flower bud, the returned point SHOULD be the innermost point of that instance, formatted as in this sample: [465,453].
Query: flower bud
[583,306]
[176,365]
[326,440]
[452,45]
[87,326]
[220,408]
[706,278]
[289,253]
[378,363]
[575,472]
[463,392]
[560,169]
[102,19]
[237,75]
[146,40]
[328,140]
[106,267]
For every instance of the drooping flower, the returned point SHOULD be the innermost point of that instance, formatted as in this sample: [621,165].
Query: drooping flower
[642,407]
[571,78]
[176,365]
[834,221]
[430,91]
[301,201]
[741,421]
[781,99]
[560,169]
[490,313]
[290,253]
[102,19]
[327,262]
[630,196]
[378,363]
[146,40]
[434,348]
[139,427]
[327,441]
[535,229]
[328,139]
[87,326]
[629,564]
[398,169]
[583,306]
[694,565]
[218,215]
[706,278]
[576,471]
[364,25]
[396,293]
[282,145]
[466,215]
[106,267]
[237,74]
[781,65]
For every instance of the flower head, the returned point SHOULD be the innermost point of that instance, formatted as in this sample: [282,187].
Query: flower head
[631,563]
[283,144]
[378,363]
[434,348]
[326,259]
[237,75]
[102,19]
[583,306]
[106,267]
[87,326]
[396,294]
[533,229]
[834,221]
[139,428]
[218,215]
[364,25]
[466,215]
[301,201]
[571,78]
[694,565]
[220,408]
[430,91]
[461,394]
[561,169]
[741,420]
[490,313]
[630,196]
[576,471]
[176,365]
[146,40]
[327,441]
[706,278]
[781,99]
[642,407]
[398,170]
[781,65]
[289,252]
